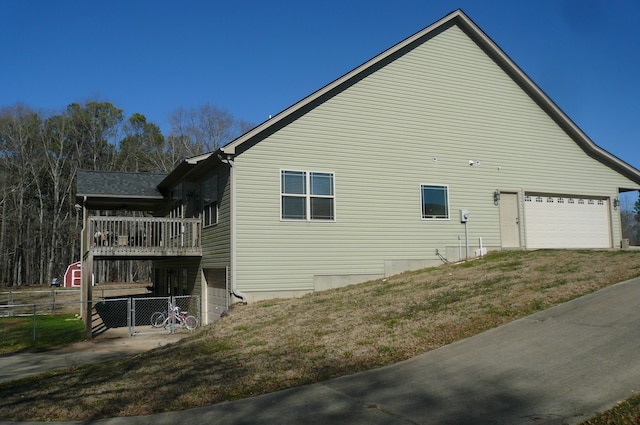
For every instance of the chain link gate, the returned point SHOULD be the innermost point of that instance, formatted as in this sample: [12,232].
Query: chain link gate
[135,313]
[148,314]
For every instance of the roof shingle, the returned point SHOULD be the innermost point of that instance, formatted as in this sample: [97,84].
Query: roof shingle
[118,184]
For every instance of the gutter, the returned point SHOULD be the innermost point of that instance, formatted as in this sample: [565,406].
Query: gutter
[232,201]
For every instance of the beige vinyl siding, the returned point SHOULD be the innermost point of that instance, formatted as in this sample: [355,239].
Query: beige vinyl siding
[446,99]
[216,239]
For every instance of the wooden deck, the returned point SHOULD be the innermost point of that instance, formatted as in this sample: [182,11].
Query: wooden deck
[144,236]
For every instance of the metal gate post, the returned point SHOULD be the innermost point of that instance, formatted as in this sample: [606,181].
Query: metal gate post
[172,322]
[34,323]
[130,312]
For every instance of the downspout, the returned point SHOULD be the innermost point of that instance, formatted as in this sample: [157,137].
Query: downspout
[232,225]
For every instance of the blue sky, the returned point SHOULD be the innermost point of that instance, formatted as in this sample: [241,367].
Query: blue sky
[255,58]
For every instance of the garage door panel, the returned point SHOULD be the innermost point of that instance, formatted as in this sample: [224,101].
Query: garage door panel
[560,222]
[217,293]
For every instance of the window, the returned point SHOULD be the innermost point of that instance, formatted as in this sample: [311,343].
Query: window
[176,193]
[210,214]
[307,195]
[435,202]
[209,192]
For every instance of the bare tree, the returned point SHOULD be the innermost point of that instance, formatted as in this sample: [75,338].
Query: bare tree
[203,129]
[19,127]
[60,165]
[39,158]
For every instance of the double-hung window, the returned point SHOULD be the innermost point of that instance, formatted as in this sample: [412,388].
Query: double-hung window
[435,201]
[209,190]
[307,195]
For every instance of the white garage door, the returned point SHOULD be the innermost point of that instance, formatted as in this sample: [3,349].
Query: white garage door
[565,222]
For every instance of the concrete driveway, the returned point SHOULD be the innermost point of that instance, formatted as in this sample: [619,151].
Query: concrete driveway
[559,366]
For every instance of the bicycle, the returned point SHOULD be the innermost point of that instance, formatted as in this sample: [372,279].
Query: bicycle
[173,317]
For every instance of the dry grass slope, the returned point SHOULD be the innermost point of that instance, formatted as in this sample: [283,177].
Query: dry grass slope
[288,342]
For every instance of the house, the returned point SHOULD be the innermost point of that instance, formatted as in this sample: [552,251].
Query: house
[437,147]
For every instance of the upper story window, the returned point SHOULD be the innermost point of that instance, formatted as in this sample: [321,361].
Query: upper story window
[209,191]
[435,201]
[176,193]
[307,195]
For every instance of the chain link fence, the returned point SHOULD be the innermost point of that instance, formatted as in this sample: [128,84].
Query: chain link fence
[48,301]
[153,314]
[55,321]
[58,300]
[135,313]
[40,326]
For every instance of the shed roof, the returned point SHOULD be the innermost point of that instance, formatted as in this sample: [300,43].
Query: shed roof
[116,190]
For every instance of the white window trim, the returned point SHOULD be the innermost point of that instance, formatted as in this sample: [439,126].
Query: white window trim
[207,184]
[422,217]
[214,214]
[307,195]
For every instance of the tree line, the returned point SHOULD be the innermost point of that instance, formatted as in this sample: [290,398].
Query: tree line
[40,154]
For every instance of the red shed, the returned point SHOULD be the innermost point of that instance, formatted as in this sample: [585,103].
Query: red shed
[73,275]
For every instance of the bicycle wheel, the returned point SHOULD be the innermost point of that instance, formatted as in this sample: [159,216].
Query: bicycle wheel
[190,322]
[157,319]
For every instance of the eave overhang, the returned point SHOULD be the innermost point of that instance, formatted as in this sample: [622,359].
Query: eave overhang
[154,205]
[181,171]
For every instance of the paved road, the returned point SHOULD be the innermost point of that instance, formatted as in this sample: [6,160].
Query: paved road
[559,366]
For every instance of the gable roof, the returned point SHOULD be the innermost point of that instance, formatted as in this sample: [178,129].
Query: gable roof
[459,18]
[115,190]
[181,170]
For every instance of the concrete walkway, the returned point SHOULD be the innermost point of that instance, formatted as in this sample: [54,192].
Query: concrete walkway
[98,350]
[559,366]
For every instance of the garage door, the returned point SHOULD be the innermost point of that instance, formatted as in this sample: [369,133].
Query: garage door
[566,222]
[217,294]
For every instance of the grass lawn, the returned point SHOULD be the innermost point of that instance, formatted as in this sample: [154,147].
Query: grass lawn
[17,333]
[282,343]
[626,412]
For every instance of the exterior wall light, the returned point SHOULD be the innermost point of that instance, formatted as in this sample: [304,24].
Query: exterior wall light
[496,197]
[616,203]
